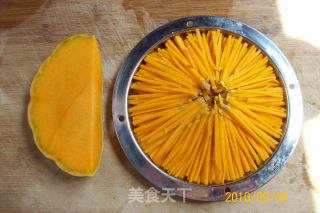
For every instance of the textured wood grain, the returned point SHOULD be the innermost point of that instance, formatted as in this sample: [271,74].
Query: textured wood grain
[30,29]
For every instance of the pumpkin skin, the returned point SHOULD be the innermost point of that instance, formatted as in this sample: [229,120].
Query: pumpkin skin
[65,111]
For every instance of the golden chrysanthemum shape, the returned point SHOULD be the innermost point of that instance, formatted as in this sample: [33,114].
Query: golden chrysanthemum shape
[207,107]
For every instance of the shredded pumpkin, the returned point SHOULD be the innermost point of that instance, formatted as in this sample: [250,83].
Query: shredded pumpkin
[65,110]
[207,107]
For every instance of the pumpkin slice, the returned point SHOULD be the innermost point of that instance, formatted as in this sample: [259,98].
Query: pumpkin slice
[65,110]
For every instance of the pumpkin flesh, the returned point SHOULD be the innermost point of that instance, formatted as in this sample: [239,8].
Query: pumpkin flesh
[65,110]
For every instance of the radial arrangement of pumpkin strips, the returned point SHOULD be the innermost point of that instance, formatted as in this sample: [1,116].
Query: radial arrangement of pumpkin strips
[207,107]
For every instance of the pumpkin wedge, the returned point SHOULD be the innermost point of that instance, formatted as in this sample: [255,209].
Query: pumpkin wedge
[65,110]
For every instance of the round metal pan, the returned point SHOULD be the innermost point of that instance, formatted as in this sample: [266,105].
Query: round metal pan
[160,178]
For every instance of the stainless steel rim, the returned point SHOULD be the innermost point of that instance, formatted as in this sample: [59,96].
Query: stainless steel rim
[160,178]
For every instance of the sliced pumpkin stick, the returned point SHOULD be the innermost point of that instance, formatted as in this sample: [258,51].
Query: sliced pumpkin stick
[253,118]
[197,60]
[244,149]
[168,65]
[262,138]
[199,155]
[167,146]
[185,67]
[189,157]
[195,147]
[173,122]
[161,103]
[234,148]
[228,159]
[179,168]
[208,154]
[213,147]
[138,99]
[176,152]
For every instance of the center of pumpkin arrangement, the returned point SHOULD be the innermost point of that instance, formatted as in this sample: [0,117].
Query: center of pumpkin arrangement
[207,107]
[211,95]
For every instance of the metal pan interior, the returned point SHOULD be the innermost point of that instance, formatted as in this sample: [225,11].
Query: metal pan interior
[159,177]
